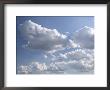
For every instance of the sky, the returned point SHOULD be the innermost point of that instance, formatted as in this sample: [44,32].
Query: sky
[54,44]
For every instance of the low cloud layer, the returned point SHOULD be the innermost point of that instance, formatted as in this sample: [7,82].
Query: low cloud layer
[78,61]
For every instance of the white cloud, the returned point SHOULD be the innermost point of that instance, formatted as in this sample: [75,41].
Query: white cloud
[24,69]
[51,40]
[78,61]
[76,55]
[63,56]
[72,44]
[39,37]
[84,37]
[39,66]
[45,56]
[80,54]
[34,67]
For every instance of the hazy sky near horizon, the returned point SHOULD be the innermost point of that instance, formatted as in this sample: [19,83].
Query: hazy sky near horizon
[55,44]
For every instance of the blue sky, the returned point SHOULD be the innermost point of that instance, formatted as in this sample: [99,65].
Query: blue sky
[62,24]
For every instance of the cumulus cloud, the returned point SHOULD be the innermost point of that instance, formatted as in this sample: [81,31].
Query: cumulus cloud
[24,69]
[84,37]
[40,37]
[50,40]
[65,55]
[34,67]
[78,61]
[80,54]
[72,44]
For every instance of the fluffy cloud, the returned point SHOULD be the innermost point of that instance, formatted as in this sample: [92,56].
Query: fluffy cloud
[78,61]
[80,54]
[39,37]
[24,69]
[84,37]
[34,67]
[74,55]
[50,40]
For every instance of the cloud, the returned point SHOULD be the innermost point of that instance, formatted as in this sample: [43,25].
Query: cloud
[65,54]
[78,61]
[80,54]
[45,56]
[84,37]
[24,69]
[50,40]
[39,37]
[72,44]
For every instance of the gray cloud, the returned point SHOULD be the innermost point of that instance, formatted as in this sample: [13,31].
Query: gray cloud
[84,37]
[51,40]
[39,37]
